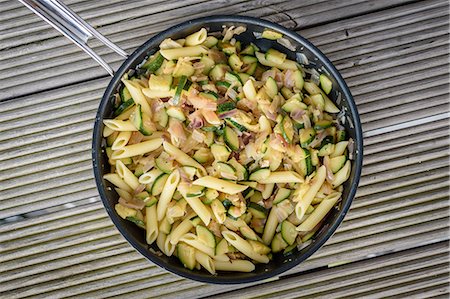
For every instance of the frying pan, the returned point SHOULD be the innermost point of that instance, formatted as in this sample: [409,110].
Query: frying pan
[73,27]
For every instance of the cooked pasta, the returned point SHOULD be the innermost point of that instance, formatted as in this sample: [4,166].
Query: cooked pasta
[226,155]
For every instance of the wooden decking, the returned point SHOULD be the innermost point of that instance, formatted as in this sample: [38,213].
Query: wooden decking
[56,239]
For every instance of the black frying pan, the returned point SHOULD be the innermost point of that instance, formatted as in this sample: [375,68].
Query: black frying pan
[134,235]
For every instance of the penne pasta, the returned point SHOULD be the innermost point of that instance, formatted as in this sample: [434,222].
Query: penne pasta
[235,265]
[126,175]
[119,125]
[199,208]
[270,227]
[316,183]
[182,157]
[219,211]
[319,212]
[151,224]
[121,140]
[136,93]
[193,241]
[107,131]
[137,149]
[219,185]
[206,261]
[196,38]
[176,53]
[167,193]
[244,247]
[182,229]
[342,175]
[116,180]
[282,177]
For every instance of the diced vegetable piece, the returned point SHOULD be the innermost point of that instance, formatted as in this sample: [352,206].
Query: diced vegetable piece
[231,138]
[278,243]
[298,79]
[205,236]
[158,185]
[257,210]
[259,174]
[220,152]
[249,50]
[176,112]
[271,87]
[275,56]
[235,62]
[181,83]
[203,155]
[270,34]
[325,83]
[222,247]
[259,247]
[249,90]
[281,195]
[326,150]
[241,171]
[195,191]
[161,82]
[287,129]
[288,232]
[224,107]
[124,106]
[217,73]
[125,94]
[164,163]
[341,136]
[339,149]
[286,65]
[337,163]
[210,41]
[318,101]
[186,255]
[248,233]
[233,78]
[141,121]
[154,63]
[124,211]
[322,124]
[306,136]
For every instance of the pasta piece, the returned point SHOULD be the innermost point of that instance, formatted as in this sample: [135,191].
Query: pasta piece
[319,212]
[137,149]
[196,38]
[282,177]
[316,183]
[160,241]
[244,247]
[125,115]
[206,261]
[124,194]
[151,224]
[194,51]
[116,180]
[126,175]
[182,229]
[169,248]
[107,131]
[235,265]
[166,196]
[219,185]
[182,157]
[121,140]
[119,125]
[192,240]
[342,175]
[136,93]
[199,208]
[270,227]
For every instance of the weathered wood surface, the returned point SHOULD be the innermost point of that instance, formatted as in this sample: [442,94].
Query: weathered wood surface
[57,241]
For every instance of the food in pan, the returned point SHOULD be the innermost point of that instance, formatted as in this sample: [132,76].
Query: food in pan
[224,154]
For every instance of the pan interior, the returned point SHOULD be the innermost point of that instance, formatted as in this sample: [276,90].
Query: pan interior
[136,236]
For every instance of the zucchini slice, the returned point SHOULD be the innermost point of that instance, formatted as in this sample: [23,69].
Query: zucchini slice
[154,63]
[257,211]
[282,194]
[231,138]
[164,163]
[235,62]
[259,174]
[259,247]
[181,83]
[186,255]
[205,236]
[270,34]
[326,150]
[220,152]
[288,232]
[337,163]
[306,136]
[176,112]
[271,87]
[325,83]
[287,129]
[158,184]
[278,243]
[275,56]
[248,233]
[195,191]
[322,124]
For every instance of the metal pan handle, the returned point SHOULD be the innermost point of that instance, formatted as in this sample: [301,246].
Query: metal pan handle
[63,19]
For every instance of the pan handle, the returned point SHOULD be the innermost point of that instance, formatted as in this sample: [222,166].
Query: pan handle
[63,19]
